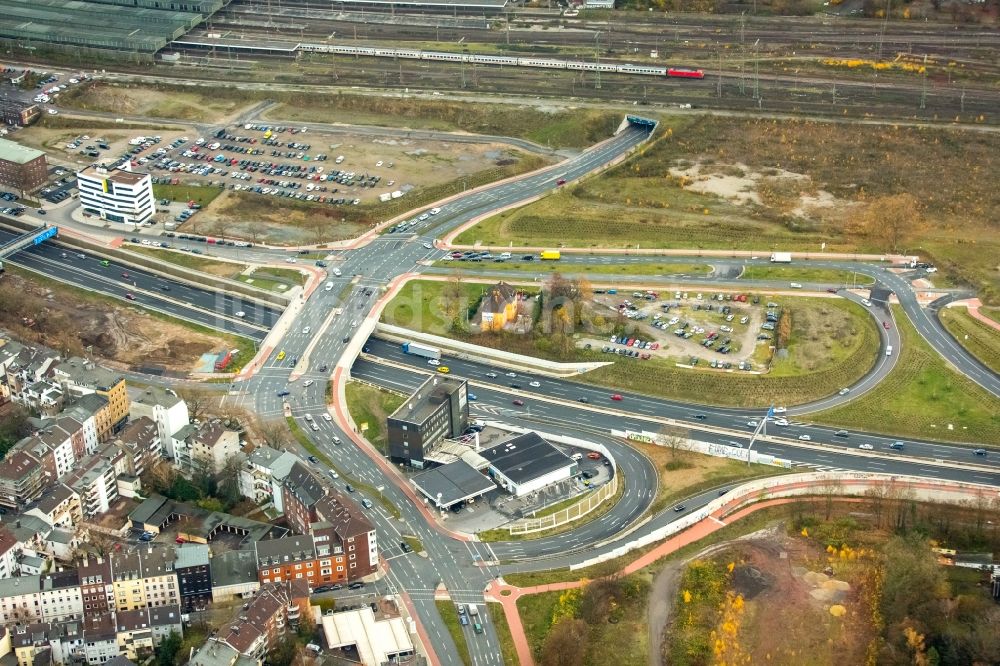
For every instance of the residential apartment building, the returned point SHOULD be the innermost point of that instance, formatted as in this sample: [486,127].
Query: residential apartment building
[263,475]
[139,632]
[9,550]
[144,577]
[58,506]
[96,585]
[164,408]
[256,627]
[344,537]
[21,479]
[194,576]
[60,597]
[116,195]
[291,558]
[96,479]
[22,168]
[100,636]
[214,444]
[47,642]
[80,377]
[43,396]
[438,409]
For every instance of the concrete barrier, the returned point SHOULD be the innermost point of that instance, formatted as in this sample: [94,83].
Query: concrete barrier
[472,352]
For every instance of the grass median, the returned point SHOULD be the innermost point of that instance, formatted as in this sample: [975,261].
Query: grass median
[226,269]
[567,268]
[303,439]
[806,274]
[923,397]
[449,613]
[369,407]
[979,338]
[507,648]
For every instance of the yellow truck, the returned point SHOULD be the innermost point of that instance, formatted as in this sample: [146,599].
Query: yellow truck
[550,254]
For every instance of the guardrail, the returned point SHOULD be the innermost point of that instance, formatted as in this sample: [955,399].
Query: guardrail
[810,484]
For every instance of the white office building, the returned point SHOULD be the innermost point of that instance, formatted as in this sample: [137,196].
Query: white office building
[116,195]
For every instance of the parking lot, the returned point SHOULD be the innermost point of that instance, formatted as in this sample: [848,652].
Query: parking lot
[718,330]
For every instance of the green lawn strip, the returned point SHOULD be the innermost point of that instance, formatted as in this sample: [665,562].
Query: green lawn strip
[574,128]
[370,405]
[501,534]
[288,275]
[422,305]
[264,283]
[536,617]
[921,397]
[804,274]
[449,613]
[733,475]
[979,339]
[308,445]
[184,193]
[211,266]
[507,648]
[650,269]
[992,313]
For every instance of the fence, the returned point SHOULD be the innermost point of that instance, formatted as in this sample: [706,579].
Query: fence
[569,514]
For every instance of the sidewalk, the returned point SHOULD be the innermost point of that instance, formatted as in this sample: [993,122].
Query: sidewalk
[973,305]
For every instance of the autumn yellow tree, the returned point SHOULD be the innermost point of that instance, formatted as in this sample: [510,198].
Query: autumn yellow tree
[890,221]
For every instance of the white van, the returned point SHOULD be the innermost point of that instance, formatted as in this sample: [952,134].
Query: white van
[888,350]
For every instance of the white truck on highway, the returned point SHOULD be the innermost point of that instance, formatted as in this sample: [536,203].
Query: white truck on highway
[781,258]
[418,349]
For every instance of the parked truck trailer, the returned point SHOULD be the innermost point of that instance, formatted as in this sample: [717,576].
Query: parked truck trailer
[781,258]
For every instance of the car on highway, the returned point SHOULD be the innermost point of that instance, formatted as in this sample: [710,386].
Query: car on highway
[349,488]
[435,211]
[281,355]
[518,403]
[428,246]
[367,503]
[308,383]
[583,399]
[444,369]
[679,508]
[534,384]
[405,547]
[805,438]
[130,296]
[241,314]
[841,433]
[885,325]
[346,339]
[306,330]
[753,424]
[700,417]
[282,394]
[478,628]
[616,397]
[433,361]
[594,455]
[473,397]
[327,417]
[125,275]
[463,620]
[896,446]
[866,447]
[780,422]
[831,290]
[491,375]
[512,374]
[844,391]
[165,287]
[314,460]
[780,410]
[795,285]
[105,263]
[979,452]
[356,585]
[866,302]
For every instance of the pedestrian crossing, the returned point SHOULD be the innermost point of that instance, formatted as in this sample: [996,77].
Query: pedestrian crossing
[819,468]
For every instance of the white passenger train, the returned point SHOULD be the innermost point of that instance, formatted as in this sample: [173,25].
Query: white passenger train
[480,59]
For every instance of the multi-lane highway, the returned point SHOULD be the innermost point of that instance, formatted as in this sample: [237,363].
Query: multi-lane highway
[216,309]
[313,337]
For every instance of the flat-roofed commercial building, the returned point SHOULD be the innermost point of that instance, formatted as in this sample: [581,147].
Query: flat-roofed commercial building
[438,409]
[22,168]
[116,195]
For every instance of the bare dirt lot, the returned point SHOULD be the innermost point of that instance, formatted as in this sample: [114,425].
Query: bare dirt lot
[55,141]
[68,320]
[140,101]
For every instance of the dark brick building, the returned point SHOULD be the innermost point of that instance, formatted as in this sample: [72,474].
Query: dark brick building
[22,168]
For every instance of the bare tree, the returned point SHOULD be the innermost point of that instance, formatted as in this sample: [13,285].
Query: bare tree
[566,643]
[197,401]
[890,221]
[255,229]
[275,433]
[676,440]
[829,489]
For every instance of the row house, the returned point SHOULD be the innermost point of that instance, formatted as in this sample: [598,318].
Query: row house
[96,585]
[164,408]
[341,530]
[23,366]
[45,397]
[62,642]
[139,632]
[58,443]
[214,444]
[291,558]
[144,578]
[9,353]
[50,598]
[59,506]
[263,475]
[140,443]
[80,377]
[194,576]
[9,551]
